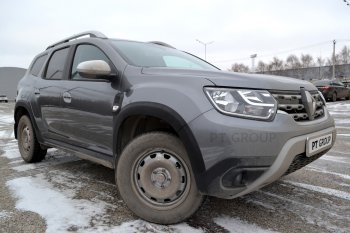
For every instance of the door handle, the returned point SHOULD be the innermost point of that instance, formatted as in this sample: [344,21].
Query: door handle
[67,98]
[36,92]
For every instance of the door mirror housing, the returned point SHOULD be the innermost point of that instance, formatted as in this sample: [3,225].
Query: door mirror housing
[94,69]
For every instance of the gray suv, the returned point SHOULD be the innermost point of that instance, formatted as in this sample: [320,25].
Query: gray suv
[173,127]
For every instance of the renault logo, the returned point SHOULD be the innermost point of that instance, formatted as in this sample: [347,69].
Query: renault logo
[309,103]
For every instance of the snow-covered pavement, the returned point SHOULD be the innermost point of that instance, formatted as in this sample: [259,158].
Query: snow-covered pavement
[66,194]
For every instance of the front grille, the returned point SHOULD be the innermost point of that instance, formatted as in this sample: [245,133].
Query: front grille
[302,160]
[291,103]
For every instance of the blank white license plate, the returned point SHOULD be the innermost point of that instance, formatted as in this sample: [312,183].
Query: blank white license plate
[318,144]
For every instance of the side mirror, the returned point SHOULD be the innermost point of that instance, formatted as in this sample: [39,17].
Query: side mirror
[94,69]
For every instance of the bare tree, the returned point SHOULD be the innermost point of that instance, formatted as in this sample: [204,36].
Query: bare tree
[307,60]
[276,64]
[239,67]
[261,67]
[344,55]
[330,60]
[320,61]
[292,62]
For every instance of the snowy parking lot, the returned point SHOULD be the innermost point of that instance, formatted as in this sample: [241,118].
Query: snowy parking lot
[66,194]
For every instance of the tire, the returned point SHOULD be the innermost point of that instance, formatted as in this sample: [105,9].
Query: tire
[28,144]
[155,179]
[334,97]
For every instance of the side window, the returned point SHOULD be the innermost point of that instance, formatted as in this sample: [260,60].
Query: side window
[55,68]
[37,65]
[86,53]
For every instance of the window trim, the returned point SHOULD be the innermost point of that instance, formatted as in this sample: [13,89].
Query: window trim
[71,61]
[44,73]
[42,66]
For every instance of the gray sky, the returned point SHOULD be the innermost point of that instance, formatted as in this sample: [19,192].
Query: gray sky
[238,28]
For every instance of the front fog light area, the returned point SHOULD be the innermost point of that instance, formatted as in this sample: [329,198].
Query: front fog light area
[255,104]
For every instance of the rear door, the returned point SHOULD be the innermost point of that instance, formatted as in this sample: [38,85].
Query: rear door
[87,104]
[47,94]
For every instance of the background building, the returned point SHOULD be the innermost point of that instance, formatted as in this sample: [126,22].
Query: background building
[9,78]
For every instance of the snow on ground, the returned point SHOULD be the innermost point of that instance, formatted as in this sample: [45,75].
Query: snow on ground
[315,215]
[63,212]
[338,107]
[48,162]
[342,121]
[343,134]
[317,169]
[4,214]
[336,159]
[11,153]
[57,207]
[142,226]
[235,225]
[328,191]
[7,119]
[6,134]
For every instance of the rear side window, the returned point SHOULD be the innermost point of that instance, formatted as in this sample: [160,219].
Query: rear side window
[37,65]
[56,64]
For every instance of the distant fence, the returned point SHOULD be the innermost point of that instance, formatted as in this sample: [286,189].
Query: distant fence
[312,73]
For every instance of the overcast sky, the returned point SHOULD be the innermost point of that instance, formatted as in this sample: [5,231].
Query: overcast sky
[238,28]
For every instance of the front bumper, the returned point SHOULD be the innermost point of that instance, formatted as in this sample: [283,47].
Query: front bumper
[242,155]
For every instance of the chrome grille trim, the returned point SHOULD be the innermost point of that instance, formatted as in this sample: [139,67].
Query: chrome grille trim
[291,103]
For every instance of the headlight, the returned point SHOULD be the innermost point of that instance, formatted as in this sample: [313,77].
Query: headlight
[254,104]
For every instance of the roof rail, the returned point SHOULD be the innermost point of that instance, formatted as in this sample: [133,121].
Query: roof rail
[95,34]
[162,44]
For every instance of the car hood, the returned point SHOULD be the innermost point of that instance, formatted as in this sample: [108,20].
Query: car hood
[232,79]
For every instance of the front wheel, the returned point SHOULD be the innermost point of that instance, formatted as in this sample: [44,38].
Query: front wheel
[155,179]
[28,145]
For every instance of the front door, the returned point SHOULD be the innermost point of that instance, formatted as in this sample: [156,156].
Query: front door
[87,104]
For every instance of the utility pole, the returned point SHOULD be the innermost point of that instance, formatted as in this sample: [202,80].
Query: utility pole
[205,47]
[334,42]
[253,56]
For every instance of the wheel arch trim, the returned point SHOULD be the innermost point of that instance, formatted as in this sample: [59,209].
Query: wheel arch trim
[26,106]
[171,117]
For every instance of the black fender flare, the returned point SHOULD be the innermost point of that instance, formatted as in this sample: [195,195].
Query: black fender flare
[27,107]
[170,116]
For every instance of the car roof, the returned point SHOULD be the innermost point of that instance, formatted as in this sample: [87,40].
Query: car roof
[322,82]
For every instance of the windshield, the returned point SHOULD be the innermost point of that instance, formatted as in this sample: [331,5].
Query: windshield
[153,55]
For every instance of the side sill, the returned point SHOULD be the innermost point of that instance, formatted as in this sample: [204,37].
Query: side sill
[104,160]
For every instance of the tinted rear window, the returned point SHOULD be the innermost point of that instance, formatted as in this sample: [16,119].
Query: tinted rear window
[37,65]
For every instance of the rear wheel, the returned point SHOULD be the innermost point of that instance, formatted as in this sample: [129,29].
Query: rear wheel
[334,97]
[28,145]
[155,179]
